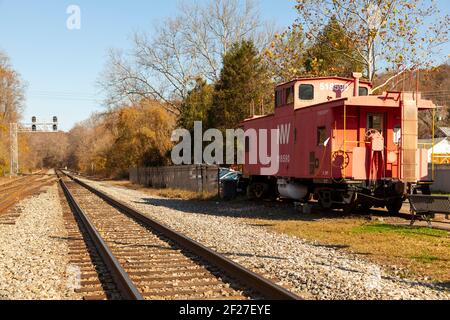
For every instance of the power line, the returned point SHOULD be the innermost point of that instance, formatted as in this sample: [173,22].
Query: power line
[64,98]
[64,95]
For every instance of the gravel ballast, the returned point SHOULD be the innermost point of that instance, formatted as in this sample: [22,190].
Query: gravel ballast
[34,261]
[306,268]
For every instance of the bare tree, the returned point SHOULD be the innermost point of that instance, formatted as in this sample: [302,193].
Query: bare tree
[191,45]
[400,34]
[127,83]
[210,31]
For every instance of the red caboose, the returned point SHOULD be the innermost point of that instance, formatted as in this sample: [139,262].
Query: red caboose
[342,145]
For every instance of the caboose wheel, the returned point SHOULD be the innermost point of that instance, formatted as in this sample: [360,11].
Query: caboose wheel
[257,190]
[395,206]
[260,190]
[325,200]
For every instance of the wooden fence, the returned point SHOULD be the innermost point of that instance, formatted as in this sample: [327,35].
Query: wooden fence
[196,178]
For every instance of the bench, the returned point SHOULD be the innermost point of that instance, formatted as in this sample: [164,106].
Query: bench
[428,206]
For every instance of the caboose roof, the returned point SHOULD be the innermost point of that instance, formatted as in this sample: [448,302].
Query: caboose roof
[324,78]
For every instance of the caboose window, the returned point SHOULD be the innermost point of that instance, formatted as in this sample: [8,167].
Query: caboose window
[397,134]
[306,92]
[375,121]
[290,95]
[363,91]
[278,98]
[321,136]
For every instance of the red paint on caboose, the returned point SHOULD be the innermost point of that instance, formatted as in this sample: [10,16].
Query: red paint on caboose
[335,134]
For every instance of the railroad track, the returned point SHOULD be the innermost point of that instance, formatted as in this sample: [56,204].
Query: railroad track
[12,192]
[141,259]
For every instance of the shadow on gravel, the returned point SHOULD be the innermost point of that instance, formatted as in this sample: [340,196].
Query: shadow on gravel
[277,211]
[335,247]
[443,286]
[283,210]
[249,255]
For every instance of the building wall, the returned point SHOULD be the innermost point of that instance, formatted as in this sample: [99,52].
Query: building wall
[441,178]
[441,149]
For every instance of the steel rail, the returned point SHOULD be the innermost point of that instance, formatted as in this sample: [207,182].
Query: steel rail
[12,182]
[246,277]
[21,191]
[124,284]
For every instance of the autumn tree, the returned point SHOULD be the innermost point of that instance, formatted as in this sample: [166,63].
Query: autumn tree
[285,56]
[400,34]
[89,144]
[332,53]
[44,150]
[243,86]
[11,106]
[143,138]
[291,54]
[109,143]
[11,91]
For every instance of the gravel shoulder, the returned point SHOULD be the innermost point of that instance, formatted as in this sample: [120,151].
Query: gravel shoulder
[34,261]
[307,268]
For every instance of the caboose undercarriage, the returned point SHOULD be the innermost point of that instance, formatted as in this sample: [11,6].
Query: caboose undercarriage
[347,195]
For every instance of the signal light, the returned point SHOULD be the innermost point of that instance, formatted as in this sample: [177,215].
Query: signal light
[55,128]
[33,119]
[55,119]
[33,128]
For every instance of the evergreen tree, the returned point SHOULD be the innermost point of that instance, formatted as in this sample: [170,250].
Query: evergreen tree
[332,53]
[243,86]
[196,105]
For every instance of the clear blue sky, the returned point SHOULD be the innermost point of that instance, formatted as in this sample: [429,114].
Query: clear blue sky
[52,59]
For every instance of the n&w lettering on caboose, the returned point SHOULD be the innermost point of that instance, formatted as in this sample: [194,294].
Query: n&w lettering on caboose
[284,132]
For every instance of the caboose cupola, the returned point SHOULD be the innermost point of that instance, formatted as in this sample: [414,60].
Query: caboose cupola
[304,92]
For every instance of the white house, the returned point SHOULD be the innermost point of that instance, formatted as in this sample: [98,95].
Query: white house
[441,146]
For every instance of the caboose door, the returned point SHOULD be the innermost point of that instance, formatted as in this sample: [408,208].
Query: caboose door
[377,152]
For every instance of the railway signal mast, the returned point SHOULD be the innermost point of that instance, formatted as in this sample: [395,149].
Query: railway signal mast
[33,127]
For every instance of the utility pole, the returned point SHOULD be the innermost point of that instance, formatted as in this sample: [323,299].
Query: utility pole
[14,150]
[33,127]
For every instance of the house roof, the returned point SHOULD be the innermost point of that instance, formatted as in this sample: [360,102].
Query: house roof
[427,143]
[445,131]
